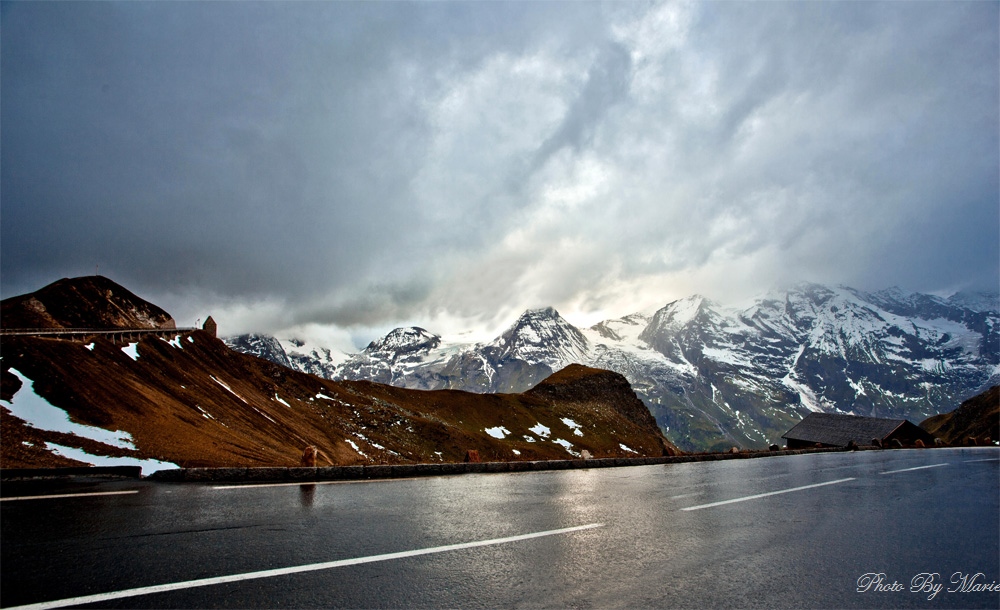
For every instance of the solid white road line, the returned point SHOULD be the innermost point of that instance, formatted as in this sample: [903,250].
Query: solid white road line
[204,582]
[764,495]
[910,469]
[84,495]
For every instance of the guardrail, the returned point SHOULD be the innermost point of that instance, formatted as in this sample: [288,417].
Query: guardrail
[82,334]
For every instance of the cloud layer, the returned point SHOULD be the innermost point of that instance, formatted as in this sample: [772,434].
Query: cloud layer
[364,165]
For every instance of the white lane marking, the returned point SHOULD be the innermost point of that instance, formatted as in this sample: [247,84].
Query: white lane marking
[83,495]
[683,496]
[218,580]
[983,460]
[910,469]
[764,495]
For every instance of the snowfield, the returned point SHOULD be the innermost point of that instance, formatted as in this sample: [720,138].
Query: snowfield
[41,414]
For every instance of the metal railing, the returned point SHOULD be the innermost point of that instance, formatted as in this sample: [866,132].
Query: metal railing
[84,333]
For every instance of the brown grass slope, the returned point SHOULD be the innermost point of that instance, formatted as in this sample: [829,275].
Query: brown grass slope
[978,417]
[190,400]
[85,302]
[194,402]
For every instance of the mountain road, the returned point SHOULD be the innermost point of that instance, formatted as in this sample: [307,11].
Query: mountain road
[872,529]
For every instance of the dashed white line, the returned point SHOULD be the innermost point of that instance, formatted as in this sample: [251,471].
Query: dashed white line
[983,460]
[204,582]
[764,495]
[914,468]
[81,495]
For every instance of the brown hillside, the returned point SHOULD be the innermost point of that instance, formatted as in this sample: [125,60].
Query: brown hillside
[978,417]
[93,302]
[192,401]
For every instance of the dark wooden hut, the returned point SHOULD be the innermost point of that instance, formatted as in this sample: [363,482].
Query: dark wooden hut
[836,430]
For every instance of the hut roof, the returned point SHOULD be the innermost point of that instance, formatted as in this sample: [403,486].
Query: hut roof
[839,430]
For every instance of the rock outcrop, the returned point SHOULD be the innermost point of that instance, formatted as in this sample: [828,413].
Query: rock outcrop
[977,417]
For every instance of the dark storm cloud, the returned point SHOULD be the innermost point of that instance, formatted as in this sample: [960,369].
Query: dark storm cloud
[360,164]
[211,143]
[251,148]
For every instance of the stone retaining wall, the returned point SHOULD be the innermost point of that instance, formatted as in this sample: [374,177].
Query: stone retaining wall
[399,471]
[125,472]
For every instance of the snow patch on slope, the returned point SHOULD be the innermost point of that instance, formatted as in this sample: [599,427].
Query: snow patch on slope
[40,413]
[499,432]
[132,351]
[540,430]
[147,466]
[43,415]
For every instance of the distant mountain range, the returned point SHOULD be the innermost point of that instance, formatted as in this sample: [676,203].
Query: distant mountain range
[713,376]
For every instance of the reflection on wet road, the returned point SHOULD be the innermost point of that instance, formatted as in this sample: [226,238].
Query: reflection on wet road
[796,531]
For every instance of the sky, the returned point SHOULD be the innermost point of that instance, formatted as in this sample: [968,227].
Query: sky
[345,168]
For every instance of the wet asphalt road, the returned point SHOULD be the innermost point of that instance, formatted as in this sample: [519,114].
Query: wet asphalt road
[657,539]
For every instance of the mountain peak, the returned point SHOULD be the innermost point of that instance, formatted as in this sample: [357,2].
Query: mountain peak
[540,317]
[540,313]
[981,301]
[83,302]
[680,312]
[543,336]
[261,346]
[405,339]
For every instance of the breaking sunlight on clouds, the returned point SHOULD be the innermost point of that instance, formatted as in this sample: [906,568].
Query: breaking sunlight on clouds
[351,167]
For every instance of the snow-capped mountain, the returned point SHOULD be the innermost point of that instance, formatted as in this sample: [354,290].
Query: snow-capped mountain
[815,348]
[291,352]
[715,376]
[393,358]
[976,301]
[539,343]
[542,336]
[262,346]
